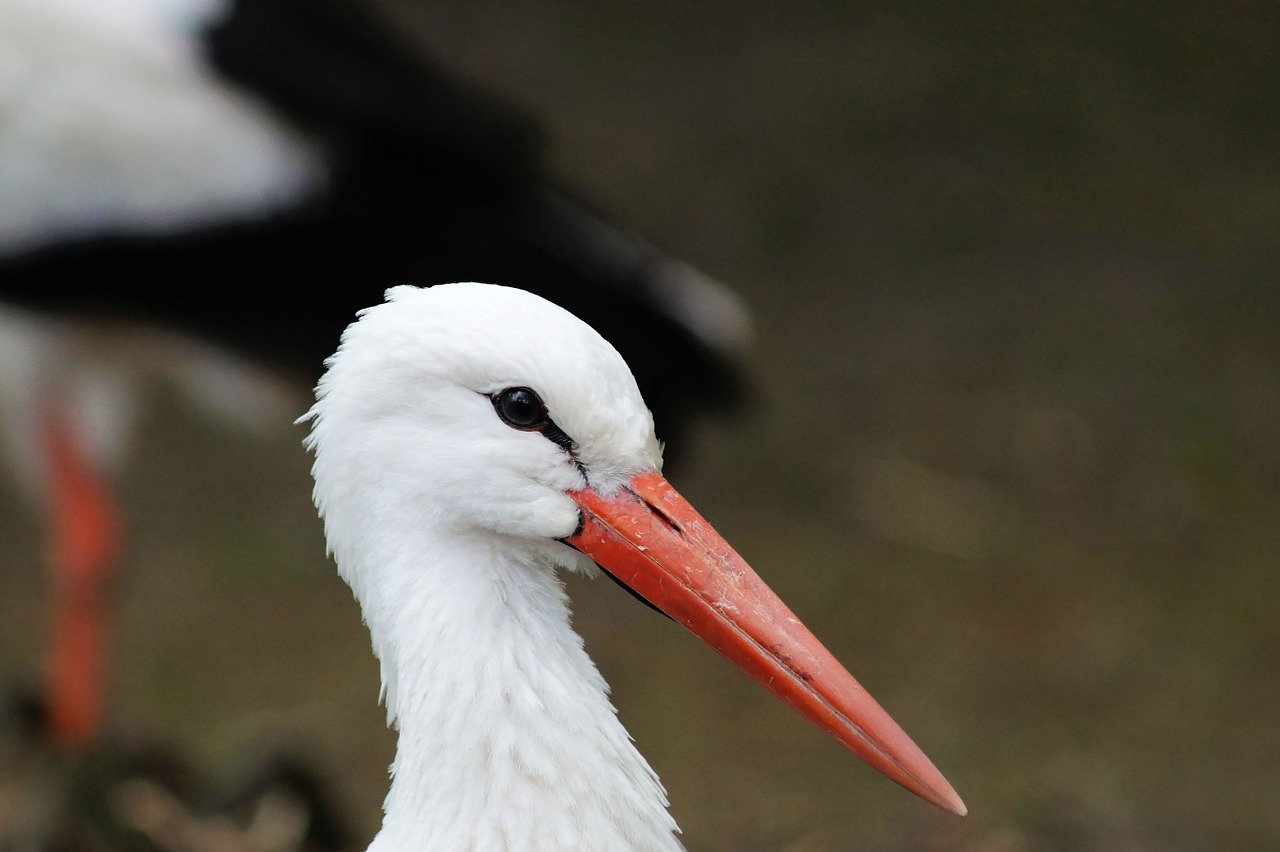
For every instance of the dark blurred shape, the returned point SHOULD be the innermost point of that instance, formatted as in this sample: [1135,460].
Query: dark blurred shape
[147,797]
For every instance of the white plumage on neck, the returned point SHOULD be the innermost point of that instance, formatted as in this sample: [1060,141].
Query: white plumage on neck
[445,522]
[507,737]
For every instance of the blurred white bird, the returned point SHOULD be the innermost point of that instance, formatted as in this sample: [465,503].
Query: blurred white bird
[198,189]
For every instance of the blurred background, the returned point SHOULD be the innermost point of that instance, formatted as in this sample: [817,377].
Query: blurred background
[1010,447]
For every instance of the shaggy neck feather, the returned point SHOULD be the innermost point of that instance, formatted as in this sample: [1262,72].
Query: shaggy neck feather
[507,737]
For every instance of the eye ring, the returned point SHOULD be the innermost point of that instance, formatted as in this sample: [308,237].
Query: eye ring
[520,408]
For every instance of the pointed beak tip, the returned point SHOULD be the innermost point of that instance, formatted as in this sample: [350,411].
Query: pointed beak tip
[950,801]
[928,783]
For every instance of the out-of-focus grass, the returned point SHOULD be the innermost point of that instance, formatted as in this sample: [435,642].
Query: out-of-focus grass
[1012,449]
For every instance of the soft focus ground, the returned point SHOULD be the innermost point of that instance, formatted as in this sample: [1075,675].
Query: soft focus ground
[1013,451]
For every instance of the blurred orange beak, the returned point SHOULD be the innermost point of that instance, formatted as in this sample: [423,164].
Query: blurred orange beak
[648,537]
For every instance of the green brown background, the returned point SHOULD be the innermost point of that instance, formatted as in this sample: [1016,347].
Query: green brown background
[1012,450]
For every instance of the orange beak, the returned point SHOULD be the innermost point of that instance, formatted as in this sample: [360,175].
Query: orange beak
[648,537]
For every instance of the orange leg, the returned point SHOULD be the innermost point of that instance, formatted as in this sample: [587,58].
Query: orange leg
[85,535]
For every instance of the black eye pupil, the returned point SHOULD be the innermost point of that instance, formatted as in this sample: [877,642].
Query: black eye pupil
[520,407]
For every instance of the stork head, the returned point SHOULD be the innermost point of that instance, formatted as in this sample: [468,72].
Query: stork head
[487,411]
[476,406]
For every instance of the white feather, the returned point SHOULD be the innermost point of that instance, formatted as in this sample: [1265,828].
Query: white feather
[444,521]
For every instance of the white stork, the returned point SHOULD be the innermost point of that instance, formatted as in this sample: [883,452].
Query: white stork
[469,441]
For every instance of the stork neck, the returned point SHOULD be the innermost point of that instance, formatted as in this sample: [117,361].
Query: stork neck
[507,737]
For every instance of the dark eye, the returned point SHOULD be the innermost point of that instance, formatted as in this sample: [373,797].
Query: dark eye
[520,408]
